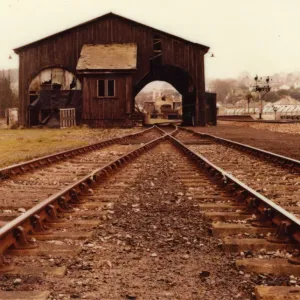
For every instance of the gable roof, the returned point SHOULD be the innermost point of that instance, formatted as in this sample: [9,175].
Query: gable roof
[107,57]
[203,47]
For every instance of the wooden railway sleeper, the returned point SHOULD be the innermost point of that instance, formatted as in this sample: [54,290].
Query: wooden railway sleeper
[4,265]
[22,241]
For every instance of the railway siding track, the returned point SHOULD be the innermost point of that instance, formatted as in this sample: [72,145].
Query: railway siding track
[260,153]
[23,186]
[16,232]
[41,162]
[274,176]
[263,233]
[262,236]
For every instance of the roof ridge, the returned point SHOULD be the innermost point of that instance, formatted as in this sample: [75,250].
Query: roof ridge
[18,49]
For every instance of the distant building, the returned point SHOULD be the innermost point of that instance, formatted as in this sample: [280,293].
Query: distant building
[156,94]
[284,87]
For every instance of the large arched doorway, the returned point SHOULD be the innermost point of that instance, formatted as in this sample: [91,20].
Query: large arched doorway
[160,102]
[51,89]
[181,81]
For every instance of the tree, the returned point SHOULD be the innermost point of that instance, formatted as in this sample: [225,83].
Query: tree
[223,88]
[271,97]
[248,96]
[7,97]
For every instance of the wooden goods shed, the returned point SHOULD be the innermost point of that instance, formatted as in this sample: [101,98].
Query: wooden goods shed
[107,62]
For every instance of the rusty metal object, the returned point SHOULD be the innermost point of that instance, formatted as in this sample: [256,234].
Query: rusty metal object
[265,219]
[282,234]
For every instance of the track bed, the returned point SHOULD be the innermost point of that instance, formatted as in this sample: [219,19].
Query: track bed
[161,222]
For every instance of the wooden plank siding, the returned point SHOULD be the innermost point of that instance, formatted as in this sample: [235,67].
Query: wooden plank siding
[63,49]
[97,110]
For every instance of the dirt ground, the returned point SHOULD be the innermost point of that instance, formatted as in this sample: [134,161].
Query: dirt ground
[283,139]
[18,145]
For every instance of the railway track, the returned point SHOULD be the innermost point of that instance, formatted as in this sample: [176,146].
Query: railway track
[274,176]
[26,184]
[267,228]
[155,212]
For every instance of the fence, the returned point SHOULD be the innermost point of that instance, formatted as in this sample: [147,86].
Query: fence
[282,111]
[11,116]
[67,117]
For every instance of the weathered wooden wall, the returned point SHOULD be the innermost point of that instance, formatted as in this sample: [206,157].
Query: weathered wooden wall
[63,49]
[96,110]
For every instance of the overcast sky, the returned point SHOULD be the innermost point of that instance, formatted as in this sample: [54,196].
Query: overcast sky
[258,36]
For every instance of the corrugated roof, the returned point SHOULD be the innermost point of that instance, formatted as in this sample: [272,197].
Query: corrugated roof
[107,57]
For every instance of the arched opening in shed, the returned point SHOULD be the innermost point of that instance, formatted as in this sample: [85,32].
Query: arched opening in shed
[160,102]
[182,83]
[50,90]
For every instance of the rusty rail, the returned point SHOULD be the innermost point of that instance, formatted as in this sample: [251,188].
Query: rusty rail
[46,160]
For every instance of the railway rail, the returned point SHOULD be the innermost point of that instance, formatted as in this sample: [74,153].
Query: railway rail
[260,231]
[274,176]
[26,184]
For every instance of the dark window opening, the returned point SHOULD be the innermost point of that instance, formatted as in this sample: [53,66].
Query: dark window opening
[106,88]
[110,88]
[101,88]
[56,86]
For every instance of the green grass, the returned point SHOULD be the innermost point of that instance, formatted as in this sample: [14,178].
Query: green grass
[25,144]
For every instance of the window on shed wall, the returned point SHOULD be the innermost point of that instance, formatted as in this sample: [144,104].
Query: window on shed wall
[106,88]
